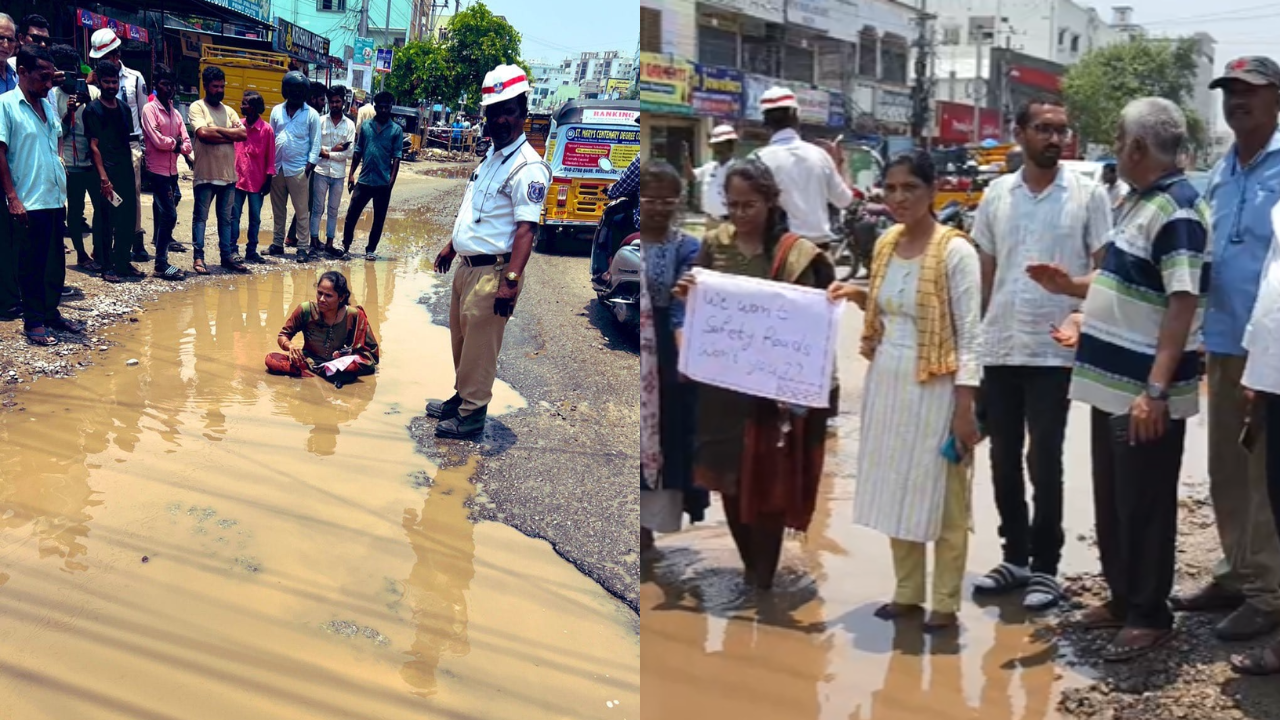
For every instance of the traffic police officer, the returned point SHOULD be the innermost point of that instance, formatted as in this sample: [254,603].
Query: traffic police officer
[492,239]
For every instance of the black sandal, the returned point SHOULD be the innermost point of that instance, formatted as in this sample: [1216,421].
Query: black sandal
[171,273]
[1257,662]
[1132,643]
[40,336]
[112,277]
[897,611]
[75,327]
[1045,585]
[1002,579]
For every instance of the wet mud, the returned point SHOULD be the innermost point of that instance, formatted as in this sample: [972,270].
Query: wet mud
[813,649]
[189,537]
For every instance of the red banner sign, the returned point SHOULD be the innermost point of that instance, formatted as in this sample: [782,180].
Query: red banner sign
[955,123]
[1032,77]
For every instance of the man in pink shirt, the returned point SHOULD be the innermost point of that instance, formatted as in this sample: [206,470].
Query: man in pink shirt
[164,133]
[255,164]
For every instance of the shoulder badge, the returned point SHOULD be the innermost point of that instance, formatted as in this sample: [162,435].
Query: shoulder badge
[537,192]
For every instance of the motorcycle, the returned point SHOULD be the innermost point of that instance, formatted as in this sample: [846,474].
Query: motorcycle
[616,267]
[857,227]
[956,215]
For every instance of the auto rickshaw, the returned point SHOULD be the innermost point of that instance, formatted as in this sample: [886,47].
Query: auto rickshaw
[591,143]
[536,128]
[408,120]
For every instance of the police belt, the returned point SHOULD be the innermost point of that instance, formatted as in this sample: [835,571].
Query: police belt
[484,260]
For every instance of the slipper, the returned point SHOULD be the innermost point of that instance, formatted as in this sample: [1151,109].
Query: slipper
[1003,578]
[40,336]
[171,273]
[895,611]
[1098,617]
[1257,662]
[134,272]
[1133,643]
[90,266]
[112,278]
[199,267]
[75,327]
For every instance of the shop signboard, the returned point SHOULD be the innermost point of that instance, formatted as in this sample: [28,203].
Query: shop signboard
[815,105]
[617,88]
[1036,78]
[123,30]
[717,92]
[666,83]
[382,62]
[893,106]
[585,146]
[955,123]
[813,14]
[836,115]
[770,10]
[300,43]
[259,10]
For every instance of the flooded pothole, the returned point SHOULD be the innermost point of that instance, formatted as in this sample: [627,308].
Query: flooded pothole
[292,570]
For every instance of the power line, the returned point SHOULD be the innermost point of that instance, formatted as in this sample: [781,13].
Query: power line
[1182,18]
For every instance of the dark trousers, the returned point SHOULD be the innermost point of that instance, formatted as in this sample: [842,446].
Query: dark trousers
[164,211]
[113,226]
[79,184]
[1271,441]
[43,263]
[10,290]
[381,197]
[1021,403]
[1135,498]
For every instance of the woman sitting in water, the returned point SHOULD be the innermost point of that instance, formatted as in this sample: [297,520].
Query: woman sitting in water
[337,342]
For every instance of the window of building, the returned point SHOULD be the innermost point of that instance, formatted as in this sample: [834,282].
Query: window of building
[893,60]
[868,46]
[951,35]
[798,64]
[762,51]
[717,46]
[1075,43]
[331,5]
[650,30]
[1062,38]
[982,29]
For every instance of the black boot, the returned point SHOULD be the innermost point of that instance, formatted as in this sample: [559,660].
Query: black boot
[462,427]
[444,409]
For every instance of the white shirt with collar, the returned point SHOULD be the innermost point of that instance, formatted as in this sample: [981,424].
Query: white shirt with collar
[1065,225]
[1262,336]
[508,187]
[710,179]
[809,181]
[331,135]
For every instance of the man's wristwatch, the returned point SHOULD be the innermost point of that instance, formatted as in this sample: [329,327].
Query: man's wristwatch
[512,276]
[1156,391]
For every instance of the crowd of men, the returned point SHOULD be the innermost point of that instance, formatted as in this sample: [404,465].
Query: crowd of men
[65,135]
[1135,275]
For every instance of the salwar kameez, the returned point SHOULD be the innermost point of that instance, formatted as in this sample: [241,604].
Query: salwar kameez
[906,489]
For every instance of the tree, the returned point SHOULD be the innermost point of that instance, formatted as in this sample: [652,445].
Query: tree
[1098,87]
[475,42]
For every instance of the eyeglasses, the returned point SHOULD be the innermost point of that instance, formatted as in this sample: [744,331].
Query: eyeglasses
[41,40]
[1048,131]
[659,202]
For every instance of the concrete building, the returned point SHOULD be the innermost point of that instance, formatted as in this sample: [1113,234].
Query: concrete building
[338,20]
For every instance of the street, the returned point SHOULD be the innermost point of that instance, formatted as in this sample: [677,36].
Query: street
[185,536]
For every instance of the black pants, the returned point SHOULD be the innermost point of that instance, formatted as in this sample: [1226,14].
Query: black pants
[1022,402]
[79,184]
[164,211]
[43,263]
[1135,498]
[10,290]
[1270,410]
[381,197]
[113,226]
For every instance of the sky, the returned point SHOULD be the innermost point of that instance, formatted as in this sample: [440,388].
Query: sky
[1241,27]
[555,29]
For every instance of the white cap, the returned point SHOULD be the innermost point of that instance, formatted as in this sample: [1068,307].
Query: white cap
[103,42]
[503,83]
[722,133]
[778,97]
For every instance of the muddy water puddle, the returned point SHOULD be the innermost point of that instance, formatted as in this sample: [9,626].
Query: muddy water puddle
[189,537]
[814,650]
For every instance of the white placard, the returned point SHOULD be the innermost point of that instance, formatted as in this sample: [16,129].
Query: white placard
[769,339]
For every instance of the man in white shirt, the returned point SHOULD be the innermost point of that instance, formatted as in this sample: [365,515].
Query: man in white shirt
[133,90]
[710,176]
[812,176]
[337,134]
[1042,216]
[1115,187]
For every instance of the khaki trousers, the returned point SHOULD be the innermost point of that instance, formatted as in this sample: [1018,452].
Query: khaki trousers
[476,332]
[1238,487]
[950,551]
[294,190]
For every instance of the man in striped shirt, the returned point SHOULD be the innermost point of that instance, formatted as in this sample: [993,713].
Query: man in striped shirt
[1137,366]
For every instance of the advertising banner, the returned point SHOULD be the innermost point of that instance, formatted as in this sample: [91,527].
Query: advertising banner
[665,84]
[363,54]
[836,116]
[893,106]
[717,92]
[122,30]
[814,14]
[617,88]
[259,10]
[382,62]
[815,105]
[584,146]
[955,123]
[300,43]
[610,117]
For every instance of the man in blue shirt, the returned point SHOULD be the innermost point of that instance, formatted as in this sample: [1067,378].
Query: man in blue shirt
[8,48]
[1242,190]
[297,129]
[35,189]
[378,146]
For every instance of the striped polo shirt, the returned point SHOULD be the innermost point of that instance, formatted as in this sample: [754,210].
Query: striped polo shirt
[1160,246]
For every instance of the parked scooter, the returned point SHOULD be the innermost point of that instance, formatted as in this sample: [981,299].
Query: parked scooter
[615,261]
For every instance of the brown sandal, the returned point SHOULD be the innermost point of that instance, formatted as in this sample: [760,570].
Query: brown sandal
[1098,617]
[1259,661]
[199,267]
[1132,643]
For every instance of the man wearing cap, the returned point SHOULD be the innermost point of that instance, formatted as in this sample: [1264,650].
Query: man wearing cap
[133,90]
[1241,194]
[493,238]
[812,177]
[710,176]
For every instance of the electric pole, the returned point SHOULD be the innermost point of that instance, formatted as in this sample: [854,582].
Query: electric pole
[362,30]
[923,87]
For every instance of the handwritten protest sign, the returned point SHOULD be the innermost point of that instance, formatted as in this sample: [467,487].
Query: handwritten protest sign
[762,338]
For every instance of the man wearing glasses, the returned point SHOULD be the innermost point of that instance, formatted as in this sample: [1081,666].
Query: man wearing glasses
[8,53]
[34,31]
[1241,194]
[1047,225]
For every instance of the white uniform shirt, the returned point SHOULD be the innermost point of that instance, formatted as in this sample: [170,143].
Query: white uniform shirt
[133,88]
[335,166]
[1262,337]
[492,206]
[711,177]
[1064,225]
[1116,193]
[809,181]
